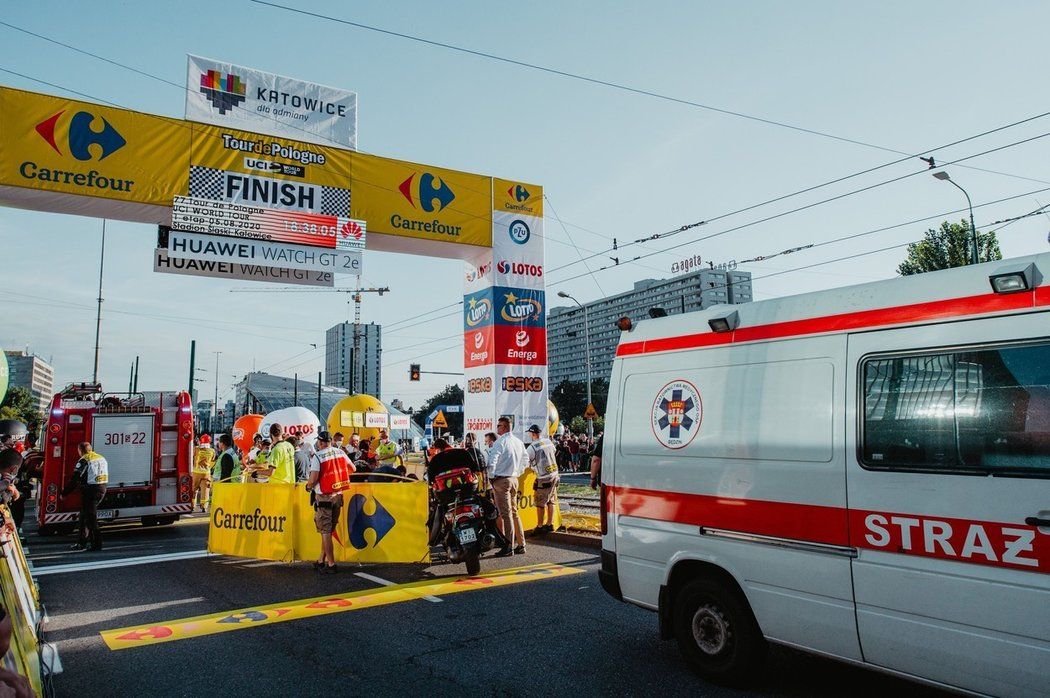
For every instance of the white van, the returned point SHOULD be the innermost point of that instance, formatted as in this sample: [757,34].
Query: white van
[862,473]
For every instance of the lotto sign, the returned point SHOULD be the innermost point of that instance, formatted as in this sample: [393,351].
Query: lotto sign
[197,215]
[676,415]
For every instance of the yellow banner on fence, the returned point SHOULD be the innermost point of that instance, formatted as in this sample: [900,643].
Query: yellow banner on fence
[382,522]
[527,502]
[378,523]
[253,520]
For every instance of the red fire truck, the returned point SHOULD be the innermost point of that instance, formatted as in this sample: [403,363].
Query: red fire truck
[147,438]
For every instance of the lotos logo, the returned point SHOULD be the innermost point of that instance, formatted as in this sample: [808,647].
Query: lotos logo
[519,232]
[357,521]
[520,309]
[518,193]
[351,229]
[478,311]
[426,191]
[519,268]
[521,338]
[82,136]
[223,91]
[476,273]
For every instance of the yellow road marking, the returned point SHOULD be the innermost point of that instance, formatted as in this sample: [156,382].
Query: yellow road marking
[198,626]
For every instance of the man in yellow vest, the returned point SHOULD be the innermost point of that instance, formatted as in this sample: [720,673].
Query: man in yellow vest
[280,466]
[203,460]
[91,475]
[387,452]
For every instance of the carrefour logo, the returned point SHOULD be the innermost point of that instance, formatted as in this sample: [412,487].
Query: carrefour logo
[381,521]
[517,309]
[478,311]
[425,191]
[518,193]
[519,232]
[82,136]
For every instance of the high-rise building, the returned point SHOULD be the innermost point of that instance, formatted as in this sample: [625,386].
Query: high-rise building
[566,355]
[340,364]
[34,374]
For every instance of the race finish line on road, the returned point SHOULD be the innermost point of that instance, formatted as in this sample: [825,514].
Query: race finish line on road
[185,628]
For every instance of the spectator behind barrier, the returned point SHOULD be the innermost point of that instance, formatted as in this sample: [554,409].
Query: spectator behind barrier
[11,684]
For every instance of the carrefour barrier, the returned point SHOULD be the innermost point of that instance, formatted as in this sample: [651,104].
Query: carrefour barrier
[379,522]
[21,602]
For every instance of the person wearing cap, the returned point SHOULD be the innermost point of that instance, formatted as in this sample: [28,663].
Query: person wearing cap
[330,472]
[203,461]
[544,460]
[387,452]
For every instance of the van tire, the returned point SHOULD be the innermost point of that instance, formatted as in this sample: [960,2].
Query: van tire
[716,631]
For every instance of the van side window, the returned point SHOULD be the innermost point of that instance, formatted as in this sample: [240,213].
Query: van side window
[967,410]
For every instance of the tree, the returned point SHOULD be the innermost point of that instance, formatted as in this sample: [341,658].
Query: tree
[948,247]
[570,397]
[451,395]
[19,404]
[578,425]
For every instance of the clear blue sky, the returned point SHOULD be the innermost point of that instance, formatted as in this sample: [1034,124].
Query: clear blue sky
[904,75]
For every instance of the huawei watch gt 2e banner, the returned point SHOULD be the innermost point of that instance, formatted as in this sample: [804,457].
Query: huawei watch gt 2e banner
[233,96]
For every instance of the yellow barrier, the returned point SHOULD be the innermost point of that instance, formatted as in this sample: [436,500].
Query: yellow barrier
[20,600]
[527,502]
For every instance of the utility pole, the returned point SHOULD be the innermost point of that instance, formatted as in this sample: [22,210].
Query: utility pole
[98,316]
[215,407]
[135,388]
[318,395]
[193,358]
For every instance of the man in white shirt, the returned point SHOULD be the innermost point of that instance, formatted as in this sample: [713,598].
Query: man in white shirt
[544,460]
[508,460]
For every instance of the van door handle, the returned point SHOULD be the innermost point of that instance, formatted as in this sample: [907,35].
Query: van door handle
[1036,521]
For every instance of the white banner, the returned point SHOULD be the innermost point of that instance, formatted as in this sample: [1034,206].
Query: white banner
[238,271]
[399,421]
[222,249]
[376,420]
[197,215]
[230,95]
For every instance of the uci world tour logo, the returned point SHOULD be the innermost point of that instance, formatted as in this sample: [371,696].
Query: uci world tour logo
[478,311]
[223,91]
[429,192]
[677,412]
[520,309]
[82,136]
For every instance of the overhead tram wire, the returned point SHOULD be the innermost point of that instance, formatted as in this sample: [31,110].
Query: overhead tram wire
[585,265]
[837,180]
[597,81]
[802,208]
[653,237]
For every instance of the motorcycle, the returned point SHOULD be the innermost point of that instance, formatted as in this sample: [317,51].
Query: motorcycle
[462,518]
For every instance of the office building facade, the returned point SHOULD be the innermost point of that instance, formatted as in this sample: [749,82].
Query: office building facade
[339,358]
[32,373]
[566,353]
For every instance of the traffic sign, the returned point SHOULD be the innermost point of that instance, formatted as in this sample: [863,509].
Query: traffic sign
[440,422]
[590,412]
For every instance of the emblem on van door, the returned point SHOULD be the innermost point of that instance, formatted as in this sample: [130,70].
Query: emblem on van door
[677,412]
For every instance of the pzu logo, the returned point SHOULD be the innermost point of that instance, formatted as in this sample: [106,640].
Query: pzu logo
[82,136]
[426,191]
[519,232]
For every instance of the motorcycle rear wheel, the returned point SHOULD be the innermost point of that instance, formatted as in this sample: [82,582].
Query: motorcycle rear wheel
[472,559]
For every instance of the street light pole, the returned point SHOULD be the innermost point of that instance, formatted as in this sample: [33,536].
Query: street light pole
[587,354]
[943,176]
[215,407]
[98,315]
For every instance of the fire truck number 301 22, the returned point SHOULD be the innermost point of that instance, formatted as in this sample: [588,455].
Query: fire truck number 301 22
[120,438]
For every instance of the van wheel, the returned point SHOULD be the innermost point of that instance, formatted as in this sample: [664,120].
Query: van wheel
[717,632]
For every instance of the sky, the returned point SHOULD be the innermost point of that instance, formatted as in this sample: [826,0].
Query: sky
[903,76]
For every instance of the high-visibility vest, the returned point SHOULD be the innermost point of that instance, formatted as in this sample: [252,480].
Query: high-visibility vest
[335,470]
[97,471]
[203,459]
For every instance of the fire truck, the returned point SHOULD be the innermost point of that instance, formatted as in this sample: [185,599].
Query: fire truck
[147,439]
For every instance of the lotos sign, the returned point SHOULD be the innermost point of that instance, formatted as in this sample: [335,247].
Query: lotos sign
[296,420]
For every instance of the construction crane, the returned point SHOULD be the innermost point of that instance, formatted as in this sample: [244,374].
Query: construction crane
[355,298]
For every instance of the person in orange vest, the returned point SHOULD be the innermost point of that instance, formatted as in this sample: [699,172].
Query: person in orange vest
[330,472]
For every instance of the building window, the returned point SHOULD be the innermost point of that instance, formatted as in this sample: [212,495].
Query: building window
[980,410]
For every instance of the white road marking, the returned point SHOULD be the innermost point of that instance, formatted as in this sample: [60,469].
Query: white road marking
[388,583]
[68,621]
[266,563]
[122,562]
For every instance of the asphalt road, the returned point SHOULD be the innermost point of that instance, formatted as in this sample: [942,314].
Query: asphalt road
[557,635]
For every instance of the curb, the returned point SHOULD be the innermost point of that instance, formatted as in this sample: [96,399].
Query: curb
[574,539]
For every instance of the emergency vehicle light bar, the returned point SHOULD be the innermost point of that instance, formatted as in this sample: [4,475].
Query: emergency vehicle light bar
[726,323]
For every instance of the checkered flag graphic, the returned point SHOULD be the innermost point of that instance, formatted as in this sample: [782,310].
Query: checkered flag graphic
[206,182]
[335,202]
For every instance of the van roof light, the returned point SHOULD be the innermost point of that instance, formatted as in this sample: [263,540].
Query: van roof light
[1015,278]
[625,324]
[725,323]
[656,312]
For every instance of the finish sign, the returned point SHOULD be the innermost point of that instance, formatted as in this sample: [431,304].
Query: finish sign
[197,215]
[183,245]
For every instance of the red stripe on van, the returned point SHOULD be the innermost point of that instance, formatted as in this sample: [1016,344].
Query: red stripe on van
[862,319]
[803,522]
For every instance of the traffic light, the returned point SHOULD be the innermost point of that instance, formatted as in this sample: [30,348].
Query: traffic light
[413,372]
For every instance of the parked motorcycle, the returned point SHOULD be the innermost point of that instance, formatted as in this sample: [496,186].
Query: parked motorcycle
[462,517]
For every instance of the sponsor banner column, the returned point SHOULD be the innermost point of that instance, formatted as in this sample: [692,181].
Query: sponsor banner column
[479,404]
[519,339]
